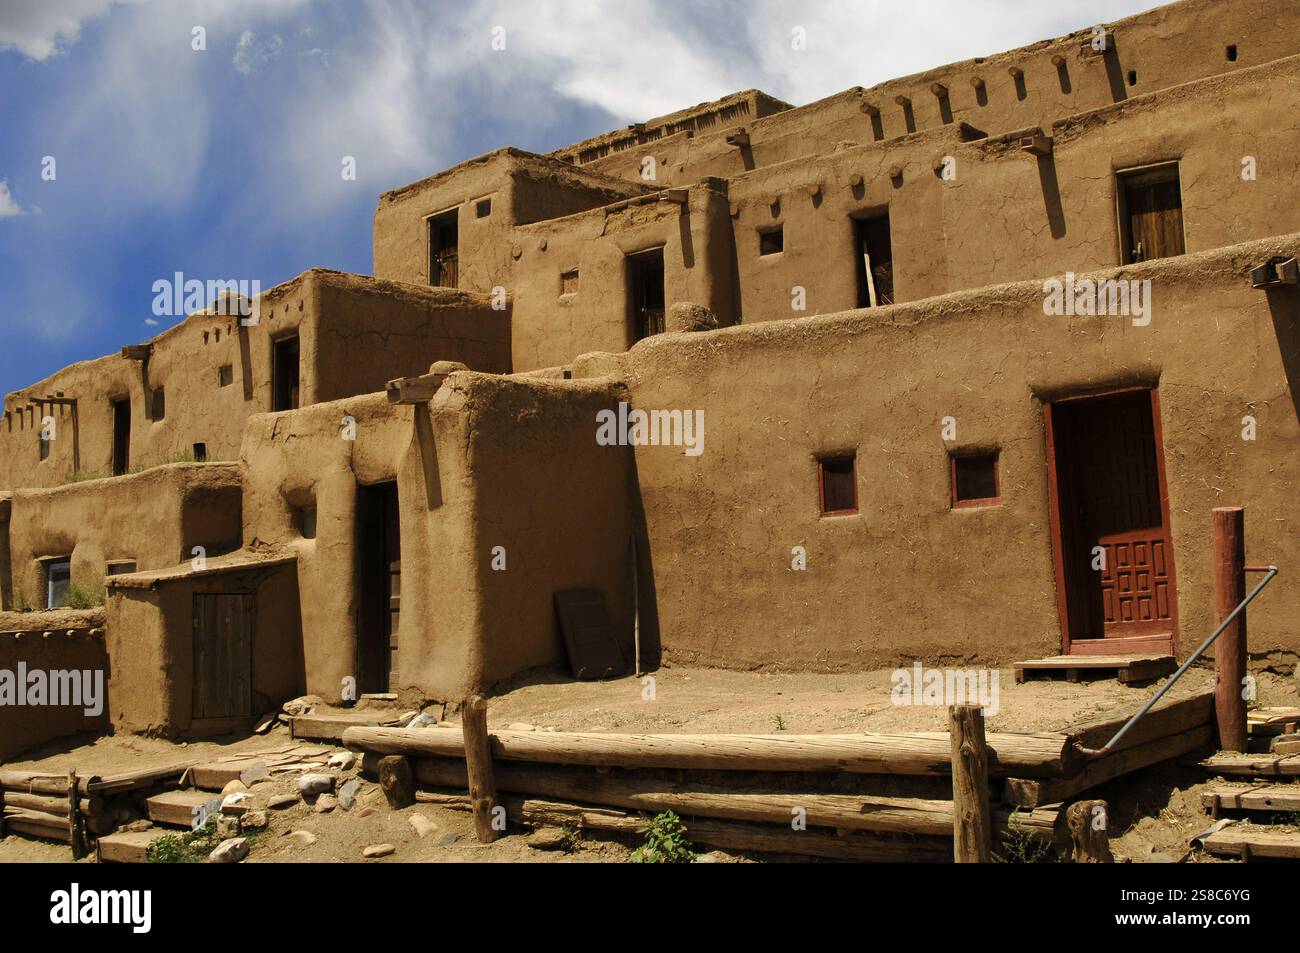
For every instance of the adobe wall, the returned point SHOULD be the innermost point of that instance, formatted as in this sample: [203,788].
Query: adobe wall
[51,642]
[910,577]
[522,188]
[154,518]
[151,645]
[550,328]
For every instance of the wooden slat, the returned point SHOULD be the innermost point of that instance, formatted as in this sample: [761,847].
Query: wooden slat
[1248,843]
[177,808]
[127,847]
[1261,797]
[1254,765]
[1167,718]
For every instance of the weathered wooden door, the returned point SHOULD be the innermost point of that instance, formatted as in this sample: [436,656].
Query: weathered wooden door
[223,655]
[646,272]
[444,250]
[379,575]
[1115,564]
[1153,206]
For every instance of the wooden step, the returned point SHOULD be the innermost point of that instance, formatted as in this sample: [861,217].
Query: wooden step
[329,726]
[1249,843]
[1258,797]
[1254,765]
[1273,721]
[215,775]
[180,808]
[1127,668]
[127,847]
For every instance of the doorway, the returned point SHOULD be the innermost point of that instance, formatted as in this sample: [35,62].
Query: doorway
[1110,524]
[223,655]
[874,261]
[646,286]
[121,436]
[379,579]
[284,373]
[444,250]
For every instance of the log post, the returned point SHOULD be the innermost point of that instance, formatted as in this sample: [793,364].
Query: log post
[972,840]
[478,768]
[397,781]
[1089,824]
[76,831]
[1230,649]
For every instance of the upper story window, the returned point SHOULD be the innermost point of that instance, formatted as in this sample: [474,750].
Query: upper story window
[444,250]
[284,373]
[1150,212]
[58,576]
[646,289]
[974,479]
[838,478]
[771,241]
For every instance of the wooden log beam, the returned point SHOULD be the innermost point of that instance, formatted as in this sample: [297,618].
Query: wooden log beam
[29,782]
[1046,755]
[396,780]
[1089,826]
[48,804]
[972,827]
[1167,718]
[478,767]
[726,835]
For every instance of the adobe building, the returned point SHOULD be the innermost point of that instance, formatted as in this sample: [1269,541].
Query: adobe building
[951,368]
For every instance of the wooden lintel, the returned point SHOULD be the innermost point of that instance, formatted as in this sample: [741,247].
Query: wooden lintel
[414,390]
[1037,144]
[137,352]
[676,196]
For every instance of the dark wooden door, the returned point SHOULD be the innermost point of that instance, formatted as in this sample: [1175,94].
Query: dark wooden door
[223,655]
[121,436]
[379,573]
[647,290]
[444,250]
[1154,208]
[1115,559]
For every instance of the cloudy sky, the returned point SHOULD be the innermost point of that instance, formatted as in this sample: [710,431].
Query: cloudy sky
[225,161]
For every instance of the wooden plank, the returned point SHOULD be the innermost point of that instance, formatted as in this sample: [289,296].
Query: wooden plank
[1167,718]
[1261,797]
[1250,843]
[127,847]
[1057,662]
[177,808]
[1255,765]
[134,780]
[929,753]
[330,727]
[38,825]
[215,775]
[478,766]
[1031,792]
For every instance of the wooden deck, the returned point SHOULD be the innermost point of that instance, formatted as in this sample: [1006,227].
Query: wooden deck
[1128,669]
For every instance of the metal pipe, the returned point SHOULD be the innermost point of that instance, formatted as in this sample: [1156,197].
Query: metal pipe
[1241,607]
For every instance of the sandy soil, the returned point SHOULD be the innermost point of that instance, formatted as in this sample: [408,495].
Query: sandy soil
[1153,813]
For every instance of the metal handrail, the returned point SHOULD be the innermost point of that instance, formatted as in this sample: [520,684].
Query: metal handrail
[1241,607]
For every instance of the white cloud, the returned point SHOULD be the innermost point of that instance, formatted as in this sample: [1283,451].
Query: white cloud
[42,28]
[251,55]
[9,207]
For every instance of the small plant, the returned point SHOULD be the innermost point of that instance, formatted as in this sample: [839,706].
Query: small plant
[84,597]
[570,838]
[1021,847]
[665,841]
[779,723]
[192,847]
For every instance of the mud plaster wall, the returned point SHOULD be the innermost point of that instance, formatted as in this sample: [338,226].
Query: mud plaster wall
[153,518]
[1164,47]
[556,502]
[59,650]
[550,328]
[299,459]
[909,576]
[151,645]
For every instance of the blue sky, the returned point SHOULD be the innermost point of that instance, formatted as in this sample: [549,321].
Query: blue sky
[225,162]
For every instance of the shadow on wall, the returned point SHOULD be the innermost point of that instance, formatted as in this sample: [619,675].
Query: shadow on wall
[1284,305]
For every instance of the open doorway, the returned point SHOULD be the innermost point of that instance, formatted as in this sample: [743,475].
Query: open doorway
[646,289]
[873,260]
[284,373]
[444,249]
[379,580]
[121,436]
[1110,524]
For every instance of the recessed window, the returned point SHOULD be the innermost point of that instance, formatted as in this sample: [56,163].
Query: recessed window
[483,208]
[1231,52]
[225,375]
[45,444]
[1132,77]
[839,485]
[119,566]
[58,575]
[1151,212]
[569,282]
[305,518]
[975,480]
[159,405]
[771,241]
[200,452]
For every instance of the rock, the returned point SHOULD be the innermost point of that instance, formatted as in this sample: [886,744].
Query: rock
[325,803]
[405,718]
[378,850]
[233,787]
[342,760]
[236,803]
[301,705]
[547,838]
[521,726]
[689,316]
[281,801]
[348,793]
[423,720]
[423,826]
[712,857]
[138,826]
[446,840]
[227,826]
[253,821]
[366,812]
[315,783]
[230,851]
[257,771]
[302,838]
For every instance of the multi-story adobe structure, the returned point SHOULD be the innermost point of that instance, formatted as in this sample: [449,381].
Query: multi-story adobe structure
[924,433]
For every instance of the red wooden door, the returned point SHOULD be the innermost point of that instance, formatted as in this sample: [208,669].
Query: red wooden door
[1115,561]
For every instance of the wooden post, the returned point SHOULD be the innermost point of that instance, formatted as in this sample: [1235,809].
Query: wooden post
[396,781]
[972,834]
[76,831]
[1089,824]
[478,767]
[1230,649]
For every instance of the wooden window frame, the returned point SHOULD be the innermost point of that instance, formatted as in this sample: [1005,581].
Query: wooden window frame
[1121,205]
[995,499]
[821,483]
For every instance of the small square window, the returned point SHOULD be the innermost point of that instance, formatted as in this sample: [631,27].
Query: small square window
[839,485]
[225,375]
[569,282]
[975,480]
[120,566]
[200,452]
[483,208]
[771,241]
[45,445]
[1231,52]
[58,576]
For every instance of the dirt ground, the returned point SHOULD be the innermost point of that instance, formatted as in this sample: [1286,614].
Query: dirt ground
[1153,813]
